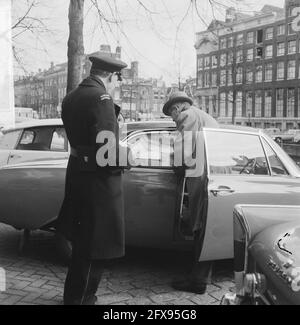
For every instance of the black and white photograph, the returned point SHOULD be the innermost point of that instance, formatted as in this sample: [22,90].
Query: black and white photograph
[150,155]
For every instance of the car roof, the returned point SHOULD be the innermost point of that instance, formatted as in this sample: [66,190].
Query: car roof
[235,128]
[33,123]
[131,126]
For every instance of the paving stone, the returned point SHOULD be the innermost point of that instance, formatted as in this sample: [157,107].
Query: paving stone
[219,294]
[205,299]
[140,301]
[19,284]
[38,283]
[11,300]
[114,298]
[164,297]
[31,297]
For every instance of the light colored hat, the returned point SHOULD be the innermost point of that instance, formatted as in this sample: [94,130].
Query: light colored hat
[178,96]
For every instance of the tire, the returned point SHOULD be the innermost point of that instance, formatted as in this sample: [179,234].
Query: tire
[278,140]
[63,247]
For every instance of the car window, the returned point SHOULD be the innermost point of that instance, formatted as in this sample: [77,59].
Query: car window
[27,137]
[276,165]
[152,149]
[37,138]
[235,153]
[9,139]
[59,140]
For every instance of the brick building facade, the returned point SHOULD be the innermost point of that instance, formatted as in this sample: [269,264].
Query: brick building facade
[248,68]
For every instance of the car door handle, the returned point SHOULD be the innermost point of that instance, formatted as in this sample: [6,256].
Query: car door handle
[220,189]
[15,156]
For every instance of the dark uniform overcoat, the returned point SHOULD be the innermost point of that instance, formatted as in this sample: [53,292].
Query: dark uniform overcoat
[93,211]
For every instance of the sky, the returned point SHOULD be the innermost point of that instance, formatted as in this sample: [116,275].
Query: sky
[159,34]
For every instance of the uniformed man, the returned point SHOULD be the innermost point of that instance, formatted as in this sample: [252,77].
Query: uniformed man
[92,212]
[190,120]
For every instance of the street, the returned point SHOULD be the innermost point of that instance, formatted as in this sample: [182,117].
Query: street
[142,277]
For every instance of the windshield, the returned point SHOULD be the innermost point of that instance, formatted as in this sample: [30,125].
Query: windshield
[293,168]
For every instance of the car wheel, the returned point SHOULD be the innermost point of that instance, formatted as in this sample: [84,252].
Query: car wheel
[278,140]
[63,247]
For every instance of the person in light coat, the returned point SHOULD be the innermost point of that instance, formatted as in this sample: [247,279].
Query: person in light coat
[189,163]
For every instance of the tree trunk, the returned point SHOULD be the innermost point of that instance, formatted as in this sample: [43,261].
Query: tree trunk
[75,44]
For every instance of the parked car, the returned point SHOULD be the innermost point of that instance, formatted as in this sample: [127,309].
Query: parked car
[279,137]
[266,255]
[244,165]
[46,139]
[297,137]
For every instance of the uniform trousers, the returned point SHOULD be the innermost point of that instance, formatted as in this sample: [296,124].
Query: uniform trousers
[83,278]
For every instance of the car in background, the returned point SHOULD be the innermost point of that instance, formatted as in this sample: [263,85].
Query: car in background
[243,165]
[279,136]
[33,140]
[46,139]
[297,137]
[266,255]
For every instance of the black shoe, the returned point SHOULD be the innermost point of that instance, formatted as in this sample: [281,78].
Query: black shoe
[190,286]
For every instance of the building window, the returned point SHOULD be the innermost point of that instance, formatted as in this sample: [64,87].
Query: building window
[250,55]
[258,103]
[281,29]
[230,57]
[258,73]
[290,102]
[230,104]
[259,36]
[206,62]
[214,61]
[291,47]
[268,72]
[239,104]
[223,78]
[214,78]
[222,104]
[206,79]
[223,43]
[268,103]
[269,33]
[280,70]
[250,37]
[249,101]
[229,77]
[291,73]
[239,56]
[223,60]
[230,42]
[239,75]
[249,75]
[279,102]
[269,51]
[240,39]
[200,79]
[200,63]
[280,48]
